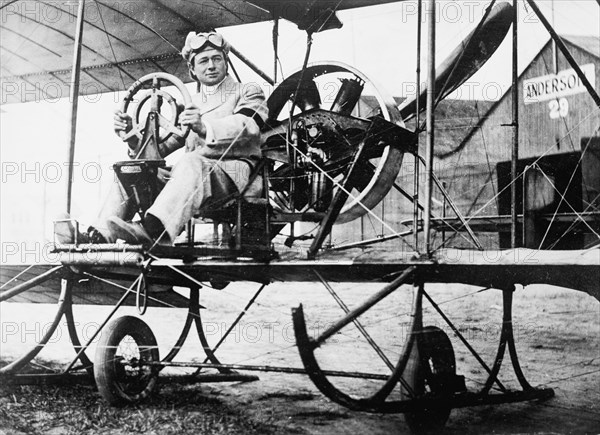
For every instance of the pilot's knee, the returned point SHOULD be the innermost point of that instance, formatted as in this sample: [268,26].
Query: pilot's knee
[193,165]
[186,163]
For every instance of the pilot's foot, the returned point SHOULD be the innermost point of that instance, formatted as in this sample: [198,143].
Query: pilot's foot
[64,229]
[95,236]
[135,232]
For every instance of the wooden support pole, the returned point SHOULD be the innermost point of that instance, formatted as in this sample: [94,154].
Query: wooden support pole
[74,99]
[275,46]
[416,180]
[430,128]
[515,129]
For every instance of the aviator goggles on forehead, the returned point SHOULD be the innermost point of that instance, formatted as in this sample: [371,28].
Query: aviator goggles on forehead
[200,40]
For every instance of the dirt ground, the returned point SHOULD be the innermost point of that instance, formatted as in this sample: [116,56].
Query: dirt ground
[557,333]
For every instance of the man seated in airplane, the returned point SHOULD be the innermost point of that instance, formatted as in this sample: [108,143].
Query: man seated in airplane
[222,148]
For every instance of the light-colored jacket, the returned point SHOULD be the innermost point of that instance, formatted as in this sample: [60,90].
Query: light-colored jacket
[233,113]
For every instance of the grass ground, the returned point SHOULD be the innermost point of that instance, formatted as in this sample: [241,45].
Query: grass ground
[557,333]
[77,409]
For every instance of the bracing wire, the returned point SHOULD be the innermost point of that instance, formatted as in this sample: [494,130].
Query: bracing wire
[508,186]
[563,199]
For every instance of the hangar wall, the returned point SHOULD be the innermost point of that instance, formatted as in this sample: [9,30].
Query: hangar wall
[468,166]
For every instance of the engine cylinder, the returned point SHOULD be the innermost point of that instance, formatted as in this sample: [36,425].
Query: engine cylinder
[322,193]
[348,96]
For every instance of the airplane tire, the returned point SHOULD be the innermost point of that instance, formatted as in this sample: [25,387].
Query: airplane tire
[126,340]
[435,361]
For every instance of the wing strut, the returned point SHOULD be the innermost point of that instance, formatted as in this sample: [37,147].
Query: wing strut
[276,45]
[416,164]
[430,128]
[74,96]
[515,129]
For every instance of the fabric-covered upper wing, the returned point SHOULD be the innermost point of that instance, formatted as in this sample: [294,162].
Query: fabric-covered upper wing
[124,39]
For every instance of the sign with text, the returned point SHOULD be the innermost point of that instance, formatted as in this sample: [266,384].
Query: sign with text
[559,85]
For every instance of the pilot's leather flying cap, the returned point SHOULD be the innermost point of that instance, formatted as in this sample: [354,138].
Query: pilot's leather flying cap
[196,42]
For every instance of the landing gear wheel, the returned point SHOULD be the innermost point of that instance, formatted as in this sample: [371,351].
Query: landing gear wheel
[120,371]
[432,374]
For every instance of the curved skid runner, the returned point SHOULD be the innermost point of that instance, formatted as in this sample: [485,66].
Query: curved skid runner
[318,377]
[16,372]
[12,372]
[306,347]
[327,165]
[426,369]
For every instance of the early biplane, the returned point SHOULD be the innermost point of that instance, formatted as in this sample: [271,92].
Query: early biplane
[323,164]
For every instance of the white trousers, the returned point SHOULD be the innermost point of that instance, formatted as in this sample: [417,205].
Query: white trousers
[194,183]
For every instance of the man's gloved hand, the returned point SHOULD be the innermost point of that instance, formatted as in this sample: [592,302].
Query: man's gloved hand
[163,175]
[192,117]
[122,122]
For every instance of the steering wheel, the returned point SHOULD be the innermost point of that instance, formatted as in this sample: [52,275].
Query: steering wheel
[156,96]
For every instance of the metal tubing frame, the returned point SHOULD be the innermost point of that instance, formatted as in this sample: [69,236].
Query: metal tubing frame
[195,305]
[106,320]
[361,309]
[193,316]
[416,327]
[337,203]
[65,308]
[266,368]
[88,365]
[377,402]
[506,339]
[493,375]
[19,363]
[356,322]
[370,241]
[141,295]
[184,332]
[227,372]
[237,320]
[463,340]
[507,330]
